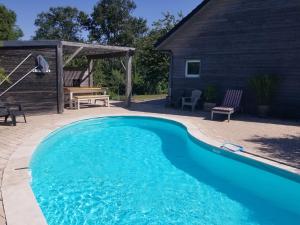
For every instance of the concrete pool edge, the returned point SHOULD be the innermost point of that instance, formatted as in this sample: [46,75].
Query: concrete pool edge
[20,204]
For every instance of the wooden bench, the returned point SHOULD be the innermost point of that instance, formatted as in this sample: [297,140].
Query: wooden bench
[82,98]
[73,91]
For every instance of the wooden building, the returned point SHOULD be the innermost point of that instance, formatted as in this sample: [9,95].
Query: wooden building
[230,41]
[43,92]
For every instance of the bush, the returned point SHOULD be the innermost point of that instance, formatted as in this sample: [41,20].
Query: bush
[210,94]
[264,87]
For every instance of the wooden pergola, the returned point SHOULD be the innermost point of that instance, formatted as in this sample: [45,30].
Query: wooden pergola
[67,51]
[96,51]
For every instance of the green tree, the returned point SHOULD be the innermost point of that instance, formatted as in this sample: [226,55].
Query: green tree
[152,66]
[8,28]
[110,73]
[61,23]
[112,23]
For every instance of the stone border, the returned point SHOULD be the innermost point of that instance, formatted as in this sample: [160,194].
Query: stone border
[19,201]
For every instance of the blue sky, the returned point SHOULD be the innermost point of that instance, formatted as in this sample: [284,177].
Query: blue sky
[151,10]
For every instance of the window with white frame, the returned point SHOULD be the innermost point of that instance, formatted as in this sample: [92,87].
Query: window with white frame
[192,68]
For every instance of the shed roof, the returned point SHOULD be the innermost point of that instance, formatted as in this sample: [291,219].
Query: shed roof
[89,50]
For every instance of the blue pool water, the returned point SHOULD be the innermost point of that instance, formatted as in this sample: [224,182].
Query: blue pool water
[139,170]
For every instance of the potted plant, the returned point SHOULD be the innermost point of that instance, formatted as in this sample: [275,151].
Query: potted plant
[210,97]
[264,87]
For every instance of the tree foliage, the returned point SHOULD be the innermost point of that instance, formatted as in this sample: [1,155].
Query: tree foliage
[60,23]
[8,28]
[152,65]
[112,23]
[109,73]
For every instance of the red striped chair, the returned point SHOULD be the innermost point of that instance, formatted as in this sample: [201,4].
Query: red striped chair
[230,105]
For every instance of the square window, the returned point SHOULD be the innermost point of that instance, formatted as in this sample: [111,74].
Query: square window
[192,68]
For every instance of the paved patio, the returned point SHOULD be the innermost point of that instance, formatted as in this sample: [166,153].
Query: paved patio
[275,139]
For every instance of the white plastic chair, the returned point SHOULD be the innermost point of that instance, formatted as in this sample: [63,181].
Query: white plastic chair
[191,101]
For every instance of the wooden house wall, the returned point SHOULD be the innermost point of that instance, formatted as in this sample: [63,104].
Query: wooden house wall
[37,92]
[237,39]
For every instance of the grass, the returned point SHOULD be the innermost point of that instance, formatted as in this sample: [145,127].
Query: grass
[141,97]
[148,97]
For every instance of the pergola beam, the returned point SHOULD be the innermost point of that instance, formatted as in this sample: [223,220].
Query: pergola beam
[97,46]
[73,55]
[108,55]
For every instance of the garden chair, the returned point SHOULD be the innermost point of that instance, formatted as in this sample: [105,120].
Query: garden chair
[191,101]
[12,111]
[230,105]
[4,112]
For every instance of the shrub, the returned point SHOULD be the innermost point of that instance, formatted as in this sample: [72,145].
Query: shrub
[264,87]
[210,94]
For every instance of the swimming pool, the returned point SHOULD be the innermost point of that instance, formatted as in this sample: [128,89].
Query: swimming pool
[142,170]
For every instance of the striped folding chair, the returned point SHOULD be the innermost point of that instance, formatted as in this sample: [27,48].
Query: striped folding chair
[230,105]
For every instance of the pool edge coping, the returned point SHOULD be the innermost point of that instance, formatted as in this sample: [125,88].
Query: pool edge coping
[19,202]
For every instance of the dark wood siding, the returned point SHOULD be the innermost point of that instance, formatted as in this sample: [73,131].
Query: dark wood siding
[71,74]
[37,92]
[236,39]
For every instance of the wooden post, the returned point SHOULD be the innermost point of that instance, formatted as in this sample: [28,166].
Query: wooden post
[90,73]
[60,79]
[128,77]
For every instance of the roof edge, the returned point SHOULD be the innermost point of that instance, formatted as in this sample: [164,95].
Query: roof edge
[20,43]
[182,22]
[54,43]
[95,45]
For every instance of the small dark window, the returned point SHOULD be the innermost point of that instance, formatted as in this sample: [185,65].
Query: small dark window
[192,68]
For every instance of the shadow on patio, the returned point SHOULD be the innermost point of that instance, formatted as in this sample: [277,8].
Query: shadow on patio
[158,106]
[285,148]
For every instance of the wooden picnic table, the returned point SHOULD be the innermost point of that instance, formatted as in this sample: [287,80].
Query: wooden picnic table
[71,91]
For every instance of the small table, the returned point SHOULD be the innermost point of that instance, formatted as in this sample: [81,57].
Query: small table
[82,90]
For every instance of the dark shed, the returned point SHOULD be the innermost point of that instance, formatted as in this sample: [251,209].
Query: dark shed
[234,40]
[43,92]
